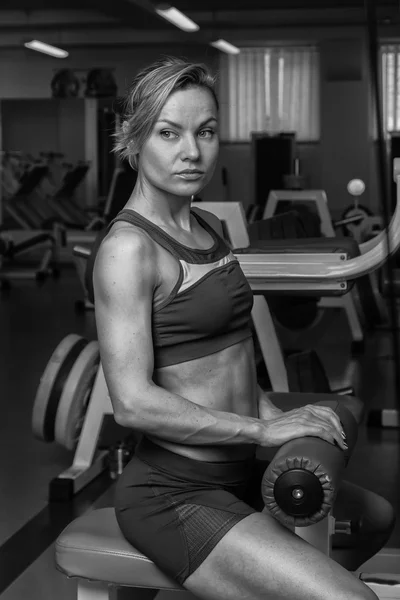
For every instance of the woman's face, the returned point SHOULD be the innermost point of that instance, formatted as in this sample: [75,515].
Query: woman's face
[180,155]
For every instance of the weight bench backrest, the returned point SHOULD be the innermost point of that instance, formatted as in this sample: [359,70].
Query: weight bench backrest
[71,181]
[31,179]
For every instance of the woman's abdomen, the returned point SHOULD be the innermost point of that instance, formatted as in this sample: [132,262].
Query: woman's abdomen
[224,381]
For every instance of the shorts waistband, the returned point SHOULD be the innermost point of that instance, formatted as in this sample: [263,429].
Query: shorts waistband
[195,470]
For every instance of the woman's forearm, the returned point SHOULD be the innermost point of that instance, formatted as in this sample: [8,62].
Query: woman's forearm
[171,417]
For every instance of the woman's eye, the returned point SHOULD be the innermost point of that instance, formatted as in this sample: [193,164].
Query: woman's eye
[208,133]
[167,134]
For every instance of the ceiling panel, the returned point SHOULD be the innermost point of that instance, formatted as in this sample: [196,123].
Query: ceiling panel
[230,17]
[197,5]
[229,5]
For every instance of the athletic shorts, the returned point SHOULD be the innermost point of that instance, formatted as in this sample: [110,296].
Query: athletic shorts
[175,509]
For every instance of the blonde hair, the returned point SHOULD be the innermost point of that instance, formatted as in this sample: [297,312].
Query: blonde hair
[146,97]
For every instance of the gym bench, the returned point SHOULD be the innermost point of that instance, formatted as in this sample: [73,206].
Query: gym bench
[299,488]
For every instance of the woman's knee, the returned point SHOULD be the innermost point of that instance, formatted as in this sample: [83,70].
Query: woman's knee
[372,512]
[380,518]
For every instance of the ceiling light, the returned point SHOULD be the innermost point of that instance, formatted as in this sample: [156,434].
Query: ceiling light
[174,16]
[46,49]
[225,47]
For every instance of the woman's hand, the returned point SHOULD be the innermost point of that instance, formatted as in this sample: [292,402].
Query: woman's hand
[309,420]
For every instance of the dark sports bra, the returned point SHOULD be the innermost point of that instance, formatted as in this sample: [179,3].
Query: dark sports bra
[210,305]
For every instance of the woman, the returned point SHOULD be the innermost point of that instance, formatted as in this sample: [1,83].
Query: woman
[172,311]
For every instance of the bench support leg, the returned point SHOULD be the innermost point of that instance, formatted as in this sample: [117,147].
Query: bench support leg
[89,590]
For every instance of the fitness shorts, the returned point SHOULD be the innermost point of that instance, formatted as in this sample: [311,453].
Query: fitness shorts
[175,509]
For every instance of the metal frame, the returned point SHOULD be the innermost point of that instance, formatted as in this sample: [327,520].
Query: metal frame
[351,303]
[49,262]
[88,590]
[319,197]
[88,463]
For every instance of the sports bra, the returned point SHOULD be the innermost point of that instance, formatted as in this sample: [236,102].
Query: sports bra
[210,305]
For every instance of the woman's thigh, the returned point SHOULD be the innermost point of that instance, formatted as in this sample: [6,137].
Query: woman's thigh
[260,559]
[175,521]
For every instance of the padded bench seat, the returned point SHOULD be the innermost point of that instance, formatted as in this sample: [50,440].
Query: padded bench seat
[333,245]
[92,547]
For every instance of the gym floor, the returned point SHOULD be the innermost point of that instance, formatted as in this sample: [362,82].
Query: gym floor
[33,320]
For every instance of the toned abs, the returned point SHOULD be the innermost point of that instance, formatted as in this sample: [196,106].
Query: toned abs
[224,381]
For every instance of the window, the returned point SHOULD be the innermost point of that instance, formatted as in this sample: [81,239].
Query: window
[390,61]
[270,89]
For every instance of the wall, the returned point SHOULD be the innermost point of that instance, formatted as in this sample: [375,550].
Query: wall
[35,125]
[27,74]
[33,121]
[236,158]
[345,149]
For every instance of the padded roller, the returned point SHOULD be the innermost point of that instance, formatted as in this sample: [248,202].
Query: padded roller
[75,396]
[300,484]
[51,386]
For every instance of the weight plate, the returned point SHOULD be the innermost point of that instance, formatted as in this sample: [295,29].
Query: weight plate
[51,385]
[75,397]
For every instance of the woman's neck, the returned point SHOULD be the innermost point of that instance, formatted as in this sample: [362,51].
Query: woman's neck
[161,208]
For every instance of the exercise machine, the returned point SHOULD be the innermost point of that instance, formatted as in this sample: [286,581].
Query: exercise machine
[14,246]
[25,244]
[364,305]
[275,269]
[21,207]
[298,487]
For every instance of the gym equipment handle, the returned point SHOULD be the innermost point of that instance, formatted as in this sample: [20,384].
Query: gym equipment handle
[346,391]
[81,251]
[300,484]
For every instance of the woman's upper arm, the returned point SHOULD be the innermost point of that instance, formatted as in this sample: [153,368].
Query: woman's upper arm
[124,279]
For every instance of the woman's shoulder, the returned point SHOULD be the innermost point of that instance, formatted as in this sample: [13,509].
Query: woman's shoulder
[126,248]
[126,238]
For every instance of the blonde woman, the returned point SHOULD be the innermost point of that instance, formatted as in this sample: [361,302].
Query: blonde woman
[173,313]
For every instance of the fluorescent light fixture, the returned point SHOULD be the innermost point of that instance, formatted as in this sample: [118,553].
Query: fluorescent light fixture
[225,47]
[174,16]
[46,49]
